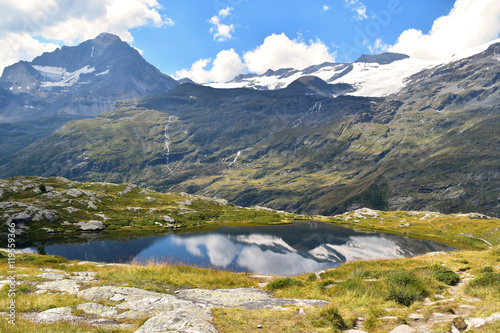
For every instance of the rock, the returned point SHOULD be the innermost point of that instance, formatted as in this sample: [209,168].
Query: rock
[71,210]
[475,322]
[55,315]
[302,312]
[363,212]
[69,286]
[416,316]
[117,298]
[259,326]
[52,276]
[354,331]
[19,219]
[404,329]
[467,307]
[167,218]
[98,309]
[73,192]
[83,276]
[128,189]
[180,320]
[105,293]
[474,216]
[389,318]
[90,225]
[1,193]
[91,205]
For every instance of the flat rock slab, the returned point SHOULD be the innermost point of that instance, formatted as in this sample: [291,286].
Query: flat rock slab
[404,329]
[105,293]
[66,285]
[180,320]
[246,298]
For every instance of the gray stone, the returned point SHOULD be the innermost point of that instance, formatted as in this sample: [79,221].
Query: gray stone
[91,225]
[389,318]
[71,210]
[105,293]
[73,192]
[167,218]
[19,219]
[98,309]
[91,205]
[69,286]
[416,316]
[404,329]
[467,307]
[180,320]
[55,315]
[52,276]
[117,298]
[302,312]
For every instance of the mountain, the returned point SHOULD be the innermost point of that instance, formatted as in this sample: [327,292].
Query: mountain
[73,83]
[433,145]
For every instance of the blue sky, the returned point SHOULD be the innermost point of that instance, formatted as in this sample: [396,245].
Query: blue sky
[214,40]
[189,39]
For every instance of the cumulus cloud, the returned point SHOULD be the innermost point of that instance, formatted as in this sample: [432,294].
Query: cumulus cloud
[221,31]
[225,67]
[326,8]
[278,51]
[358,7]
[21,47]
[378,47]
[70,22]
[470,23]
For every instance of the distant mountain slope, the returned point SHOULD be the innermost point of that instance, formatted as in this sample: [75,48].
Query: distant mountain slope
[85,80]
[377,75]
[434,145]
[72,83]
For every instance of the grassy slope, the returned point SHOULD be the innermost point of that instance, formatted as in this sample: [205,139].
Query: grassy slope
[136,210]
[358,289]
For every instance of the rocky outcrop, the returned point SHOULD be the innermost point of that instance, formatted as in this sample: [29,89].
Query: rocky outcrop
[92,225]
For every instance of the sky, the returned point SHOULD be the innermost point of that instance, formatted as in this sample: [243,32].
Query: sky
[215,40]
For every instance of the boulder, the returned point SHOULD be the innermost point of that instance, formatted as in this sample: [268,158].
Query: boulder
[91,225]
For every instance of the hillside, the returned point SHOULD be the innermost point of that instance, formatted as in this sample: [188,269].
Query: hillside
[432,146]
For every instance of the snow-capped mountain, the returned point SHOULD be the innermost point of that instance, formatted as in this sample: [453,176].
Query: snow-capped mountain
[82,81]
[370,76]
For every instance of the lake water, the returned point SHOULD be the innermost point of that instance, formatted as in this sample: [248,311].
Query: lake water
[284,250]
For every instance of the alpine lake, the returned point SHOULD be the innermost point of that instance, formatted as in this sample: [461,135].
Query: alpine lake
[284,250]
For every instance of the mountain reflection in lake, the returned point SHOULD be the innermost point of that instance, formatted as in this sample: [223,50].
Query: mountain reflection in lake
[283,250]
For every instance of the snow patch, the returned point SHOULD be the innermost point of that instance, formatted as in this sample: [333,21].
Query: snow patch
[60,77]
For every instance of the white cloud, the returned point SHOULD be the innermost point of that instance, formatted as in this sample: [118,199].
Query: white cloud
[278,51]
[326,8]
[470,23]
[358,7]
[225,67]
[378,47]
[21,47]
[70,22]
[221,31]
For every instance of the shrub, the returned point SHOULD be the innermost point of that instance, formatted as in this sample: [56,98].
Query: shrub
[487,270]
[312,277]
[488,279]
[405,288]
[331,317]
[284,283]
[42,188]
[445,275]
